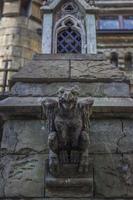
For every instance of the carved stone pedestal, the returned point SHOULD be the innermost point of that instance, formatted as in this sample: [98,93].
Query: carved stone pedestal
[69,183]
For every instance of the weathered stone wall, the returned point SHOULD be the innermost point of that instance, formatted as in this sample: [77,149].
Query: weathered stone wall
[24,147]
[115,89]
[24,140]
[121,44]
[24,151]
[19,38]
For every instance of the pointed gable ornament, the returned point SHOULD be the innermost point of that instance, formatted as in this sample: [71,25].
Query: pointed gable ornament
[82,12]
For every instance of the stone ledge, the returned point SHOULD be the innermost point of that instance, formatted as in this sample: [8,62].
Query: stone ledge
[114,89]
[61,68]
[28,137]
[69,57]
[31,106]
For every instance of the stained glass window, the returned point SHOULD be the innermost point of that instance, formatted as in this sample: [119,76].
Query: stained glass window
[109,23]
[128,22]
[69,41]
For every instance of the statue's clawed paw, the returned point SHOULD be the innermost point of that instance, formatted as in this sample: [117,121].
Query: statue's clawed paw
[54,166]
[84,166]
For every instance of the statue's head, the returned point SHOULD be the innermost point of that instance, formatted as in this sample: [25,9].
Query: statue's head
[68,97]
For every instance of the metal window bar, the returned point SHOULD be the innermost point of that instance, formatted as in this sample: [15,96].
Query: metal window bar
[69,41]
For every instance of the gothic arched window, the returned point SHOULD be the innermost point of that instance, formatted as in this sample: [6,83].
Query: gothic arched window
[69,36]
[114,59]
[128,61]
[69,41]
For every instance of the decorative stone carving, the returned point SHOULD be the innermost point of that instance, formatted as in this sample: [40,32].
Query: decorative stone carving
[68,125]
[69,8]
[66,23]
[69,165]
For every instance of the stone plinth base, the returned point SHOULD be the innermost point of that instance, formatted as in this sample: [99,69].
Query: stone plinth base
[69,183]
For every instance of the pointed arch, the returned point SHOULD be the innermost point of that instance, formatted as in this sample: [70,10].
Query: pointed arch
[72,26]
[114,59]
[128,61]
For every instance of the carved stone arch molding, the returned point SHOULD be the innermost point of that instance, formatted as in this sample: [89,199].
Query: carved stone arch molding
[66,22]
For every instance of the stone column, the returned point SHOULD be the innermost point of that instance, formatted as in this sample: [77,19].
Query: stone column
[47,33]
[91,34]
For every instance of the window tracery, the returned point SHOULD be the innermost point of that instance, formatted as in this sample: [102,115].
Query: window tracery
[69,41]
[69,8]
[69,36]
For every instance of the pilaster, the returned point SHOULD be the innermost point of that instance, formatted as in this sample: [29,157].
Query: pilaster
[47,33]
[91,34]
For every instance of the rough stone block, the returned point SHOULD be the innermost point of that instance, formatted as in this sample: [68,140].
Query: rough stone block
[22,176]
[86,89]
[24,137]
[11,7]
[44,70]
[105,135]
[91,70]
[116,90]
[112,174]
[36,11]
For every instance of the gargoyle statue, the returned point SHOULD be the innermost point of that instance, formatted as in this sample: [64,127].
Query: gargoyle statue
[68,126]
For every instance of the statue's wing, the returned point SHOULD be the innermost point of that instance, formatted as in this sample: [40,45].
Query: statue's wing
[49,108]
[85,108]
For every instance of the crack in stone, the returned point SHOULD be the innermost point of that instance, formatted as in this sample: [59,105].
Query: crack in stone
[16,137]
[121,138]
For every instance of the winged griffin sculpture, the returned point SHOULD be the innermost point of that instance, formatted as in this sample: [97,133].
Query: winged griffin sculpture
[68,126]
